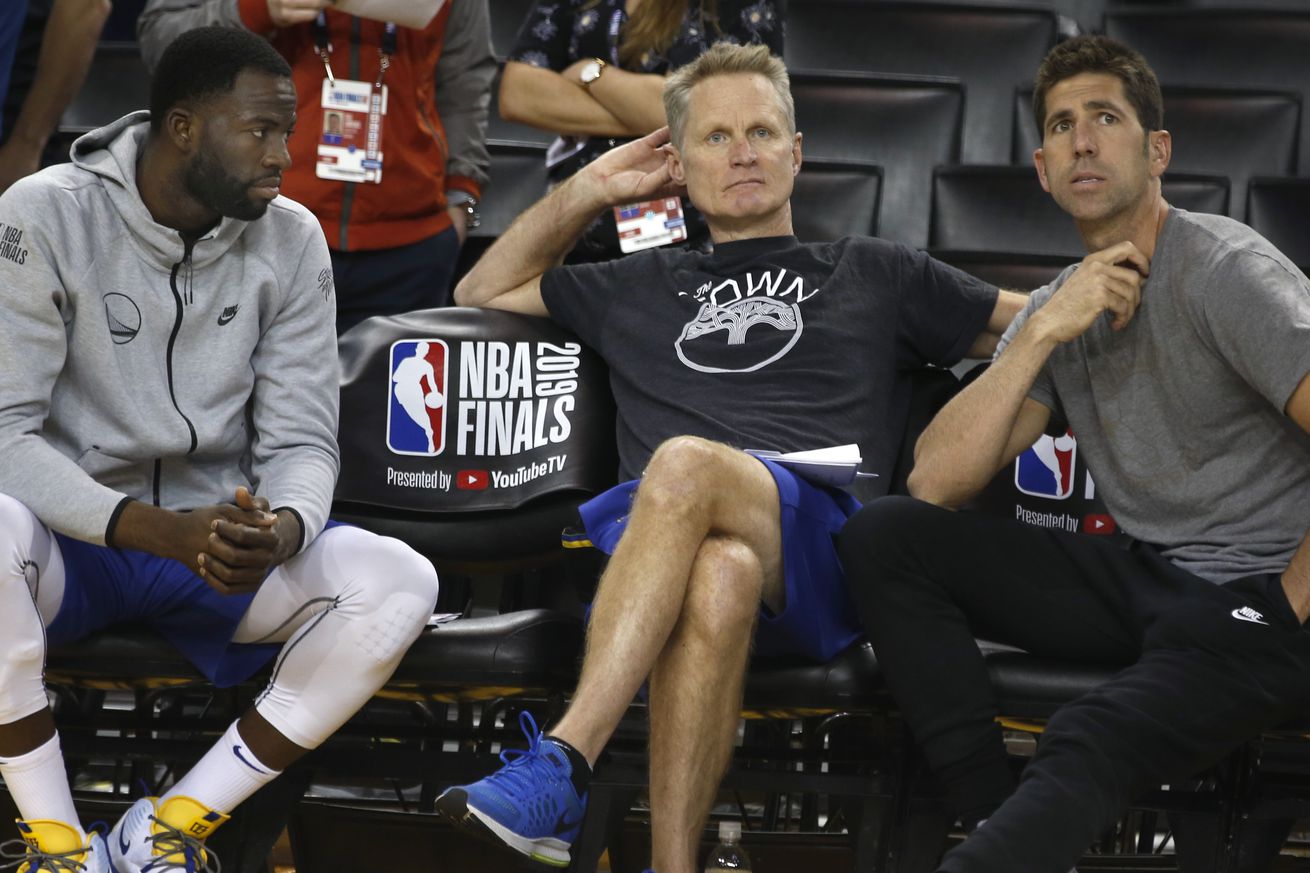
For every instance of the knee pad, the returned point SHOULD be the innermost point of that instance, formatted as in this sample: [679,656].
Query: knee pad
[403,585]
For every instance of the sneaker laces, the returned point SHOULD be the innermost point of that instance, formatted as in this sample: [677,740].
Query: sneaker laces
[17,853]
[170,841]
[522,764]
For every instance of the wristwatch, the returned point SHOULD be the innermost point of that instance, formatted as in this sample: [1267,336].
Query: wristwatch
[470,204]
[591,72]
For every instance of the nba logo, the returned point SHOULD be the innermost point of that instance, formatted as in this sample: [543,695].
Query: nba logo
[1046,469]
[416,405]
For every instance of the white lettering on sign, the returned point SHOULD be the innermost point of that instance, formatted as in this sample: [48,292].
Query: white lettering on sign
[514,397]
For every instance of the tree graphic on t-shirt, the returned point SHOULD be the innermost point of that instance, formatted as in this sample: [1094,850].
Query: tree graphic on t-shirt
[739,317]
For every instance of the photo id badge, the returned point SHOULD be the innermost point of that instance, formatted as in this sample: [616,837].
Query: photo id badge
[350,144]
[650,223]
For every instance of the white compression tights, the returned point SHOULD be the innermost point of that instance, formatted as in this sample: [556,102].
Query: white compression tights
[31,589]
[346,608]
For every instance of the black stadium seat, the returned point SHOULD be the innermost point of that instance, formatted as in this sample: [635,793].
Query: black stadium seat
[1236,48]
[1234,133]
[907,124]
[991,49]
[506,461]
[506,20]
[1279,209]
[833,199]
[517,180]
[998,209]
[116,84]
[1016,270]
[1004,209]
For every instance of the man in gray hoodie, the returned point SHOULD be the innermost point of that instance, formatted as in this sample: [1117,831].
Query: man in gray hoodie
[168,411]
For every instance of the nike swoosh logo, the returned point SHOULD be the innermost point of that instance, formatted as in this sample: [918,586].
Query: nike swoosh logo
[224,319]
[563,826]
[236,750]
[1237,614]
[123,845]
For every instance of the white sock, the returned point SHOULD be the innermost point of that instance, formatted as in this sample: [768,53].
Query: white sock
[225,776]
[39,785]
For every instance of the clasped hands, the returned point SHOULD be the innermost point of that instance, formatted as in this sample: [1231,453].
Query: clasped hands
[233,547]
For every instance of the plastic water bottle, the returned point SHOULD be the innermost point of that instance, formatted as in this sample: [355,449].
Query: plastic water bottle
[728,854]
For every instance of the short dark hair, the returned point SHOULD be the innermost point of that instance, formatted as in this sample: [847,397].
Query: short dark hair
[206,61]
[1100,54]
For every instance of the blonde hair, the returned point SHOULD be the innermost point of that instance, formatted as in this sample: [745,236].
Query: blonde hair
[725,59]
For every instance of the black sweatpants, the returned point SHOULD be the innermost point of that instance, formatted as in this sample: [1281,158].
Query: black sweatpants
[1200,675]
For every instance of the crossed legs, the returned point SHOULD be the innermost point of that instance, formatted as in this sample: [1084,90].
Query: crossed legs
[678,603]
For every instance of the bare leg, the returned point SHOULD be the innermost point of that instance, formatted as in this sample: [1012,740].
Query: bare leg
[266,743]
[693,489]
[22,736]
[695,698]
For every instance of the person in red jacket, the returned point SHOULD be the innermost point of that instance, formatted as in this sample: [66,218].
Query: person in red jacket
[395,209]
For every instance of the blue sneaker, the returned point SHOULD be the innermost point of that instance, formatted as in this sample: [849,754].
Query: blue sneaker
[529,804]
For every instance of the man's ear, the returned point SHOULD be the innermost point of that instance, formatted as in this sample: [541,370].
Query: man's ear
[796,154]
[1039,161]
[182,126]
[1160,149]
[673,160]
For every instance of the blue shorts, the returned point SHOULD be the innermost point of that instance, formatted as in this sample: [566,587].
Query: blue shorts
[818,620]
[105,586]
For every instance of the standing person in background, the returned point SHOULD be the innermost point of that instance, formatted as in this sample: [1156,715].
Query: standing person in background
[66,32]
[394,231]
[593,71]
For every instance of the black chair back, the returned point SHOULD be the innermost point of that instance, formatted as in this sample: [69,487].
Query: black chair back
[1279,210]
[991,49]
[471,434]
[906,124]
[833,199]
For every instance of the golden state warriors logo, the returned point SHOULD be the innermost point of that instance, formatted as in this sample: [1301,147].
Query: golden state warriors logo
[744,326]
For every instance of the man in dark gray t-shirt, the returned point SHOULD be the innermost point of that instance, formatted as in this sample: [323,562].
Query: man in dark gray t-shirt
[1178,352]
[766,343]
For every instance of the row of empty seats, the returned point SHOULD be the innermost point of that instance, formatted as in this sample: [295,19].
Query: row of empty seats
[913,86]
[973,208]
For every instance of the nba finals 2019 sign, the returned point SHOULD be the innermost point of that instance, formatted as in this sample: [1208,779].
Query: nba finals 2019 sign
[470,409]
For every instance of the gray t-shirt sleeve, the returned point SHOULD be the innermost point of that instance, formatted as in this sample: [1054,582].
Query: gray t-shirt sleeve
[1256,315]
[1043,389]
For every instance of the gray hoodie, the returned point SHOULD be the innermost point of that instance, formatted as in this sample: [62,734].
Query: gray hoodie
[130,370]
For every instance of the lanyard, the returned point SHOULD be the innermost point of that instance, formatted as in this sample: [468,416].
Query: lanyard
[324,47]
[375,99]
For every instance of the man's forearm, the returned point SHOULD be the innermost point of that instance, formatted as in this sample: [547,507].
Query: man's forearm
[67,46]
[968,441]
[144,528]
[535,242]
[1296,581]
